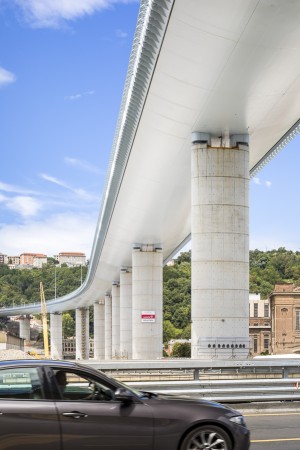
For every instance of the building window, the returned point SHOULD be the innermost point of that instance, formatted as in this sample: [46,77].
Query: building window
[255,344]
[266,310]
[297,319]
[255,309]
[266,343]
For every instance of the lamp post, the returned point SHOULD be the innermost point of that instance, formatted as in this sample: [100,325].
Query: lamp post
[55,283]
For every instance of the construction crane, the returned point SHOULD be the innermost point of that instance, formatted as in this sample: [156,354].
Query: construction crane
[44,321]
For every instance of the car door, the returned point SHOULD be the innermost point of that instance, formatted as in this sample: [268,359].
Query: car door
[27,419]
[93,419]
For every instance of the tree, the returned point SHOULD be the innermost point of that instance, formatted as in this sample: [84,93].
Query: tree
[169,331]
[68,325]
[181,350]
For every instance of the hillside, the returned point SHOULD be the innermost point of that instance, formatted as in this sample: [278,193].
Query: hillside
[266,269]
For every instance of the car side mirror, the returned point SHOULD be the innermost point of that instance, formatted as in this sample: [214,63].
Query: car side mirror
[124,395]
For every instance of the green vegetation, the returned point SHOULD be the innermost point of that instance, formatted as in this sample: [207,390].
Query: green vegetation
[177,299]
[181,350]
[18,287]
[271,267]
[266,269]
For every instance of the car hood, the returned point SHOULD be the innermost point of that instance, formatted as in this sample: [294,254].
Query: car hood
[186,399]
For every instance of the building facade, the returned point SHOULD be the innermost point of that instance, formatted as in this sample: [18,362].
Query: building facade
[33,259]
[285,310]
[13,260]
[259,325]
[72,258]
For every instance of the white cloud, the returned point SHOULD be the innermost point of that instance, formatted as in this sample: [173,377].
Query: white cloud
[54,180]
[25,206]
[83,165]
[121,34]
[6,77]
[10,188]
[53,13]
[78,96]
[81,193]
[257,181]
[73,97]
[58,233]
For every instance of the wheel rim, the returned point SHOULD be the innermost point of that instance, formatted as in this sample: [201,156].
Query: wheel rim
[207,440]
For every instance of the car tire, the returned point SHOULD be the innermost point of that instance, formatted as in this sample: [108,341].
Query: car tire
[207,437]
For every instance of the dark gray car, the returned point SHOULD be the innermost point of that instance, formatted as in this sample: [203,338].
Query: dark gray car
[51,405]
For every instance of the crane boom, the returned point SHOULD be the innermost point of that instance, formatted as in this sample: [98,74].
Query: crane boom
[44,321]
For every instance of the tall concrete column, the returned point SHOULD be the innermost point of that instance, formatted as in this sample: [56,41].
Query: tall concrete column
[147,274]
[107,327]
[99,334]
[220,248]
[25,328]
[56,336]
[82,333]
[115,320]
[126,313]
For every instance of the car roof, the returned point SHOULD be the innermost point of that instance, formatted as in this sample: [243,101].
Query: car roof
[37,362]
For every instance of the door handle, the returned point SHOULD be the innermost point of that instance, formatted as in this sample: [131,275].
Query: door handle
[75,414]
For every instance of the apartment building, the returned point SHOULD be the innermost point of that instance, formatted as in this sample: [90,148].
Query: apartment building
[285,313]
[13,260]
[72,258]
[259,325]
[33,259]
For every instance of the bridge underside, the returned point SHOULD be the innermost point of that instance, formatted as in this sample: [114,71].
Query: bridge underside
[218,69]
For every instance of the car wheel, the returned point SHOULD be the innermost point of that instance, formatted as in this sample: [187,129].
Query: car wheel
[207,437]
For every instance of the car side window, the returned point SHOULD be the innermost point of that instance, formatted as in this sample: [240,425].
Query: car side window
[22,383]
[77,386]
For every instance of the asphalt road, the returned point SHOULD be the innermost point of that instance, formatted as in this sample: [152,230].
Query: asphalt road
[277,429]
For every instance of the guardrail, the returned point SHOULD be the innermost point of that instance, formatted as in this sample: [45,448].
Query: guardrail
[228,391]
[188,369]
[227,381]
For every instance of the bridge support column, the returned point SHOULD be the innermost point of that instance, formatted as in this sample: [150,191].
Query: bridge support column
[25,328]
[82,333]
[220,248]
[107,327]
[147,261]
[56,336]
[126,313]
[115,320]
[99,335]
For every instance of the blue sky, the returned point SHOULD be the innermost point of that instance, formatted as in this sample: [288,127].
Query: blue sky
[62,71]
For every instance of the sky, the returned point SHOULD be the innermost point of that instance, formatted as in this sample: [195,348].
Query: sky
[62,71]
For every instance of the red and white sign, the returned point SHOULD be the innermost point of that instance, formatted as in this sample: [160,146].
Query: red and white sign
[148,316]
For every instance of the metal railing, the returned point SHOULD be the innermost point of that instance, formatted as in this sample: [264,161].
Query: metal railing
[227,381]
[228,391]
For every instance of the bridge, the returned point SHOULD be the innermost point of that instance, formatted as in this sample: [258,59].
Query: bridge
[212,94]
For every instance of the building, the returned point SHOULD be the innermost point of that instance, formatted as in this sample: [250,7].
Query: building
[259,325]
[13,260]
[33,259]
[69,347]
[9,341]
[72,258]
[285,311]
[39,260]
[2,259]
